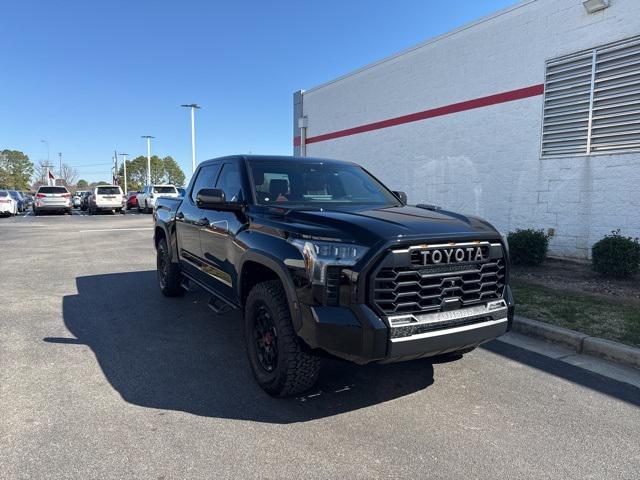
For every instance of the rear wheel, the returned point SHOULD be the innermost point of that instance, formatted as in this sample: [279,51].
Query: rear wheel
[146,207]
[280,363]
[169,277]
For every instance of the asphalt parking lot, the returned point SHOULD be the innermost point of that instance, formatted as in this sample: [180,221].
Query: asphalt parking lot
[103,377]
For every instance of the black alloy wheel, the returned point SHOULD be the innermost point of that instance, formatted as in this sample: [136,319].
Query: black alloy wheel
[169,276]
[266,338]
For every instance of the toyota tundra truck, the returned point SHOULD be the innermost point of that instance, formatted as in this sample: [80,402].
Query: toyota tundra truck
[322,259]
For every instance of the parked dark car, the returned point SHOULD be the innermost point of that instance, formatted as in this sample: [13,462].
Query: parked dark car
[322,258]
[84,201]
[28,200]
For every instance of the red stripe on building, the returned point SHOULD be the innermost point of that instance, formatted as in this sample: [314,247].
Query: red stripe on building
[496,99]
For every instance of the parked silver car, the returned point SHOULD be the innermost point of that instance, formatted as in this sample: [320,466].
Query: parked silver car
[56,199]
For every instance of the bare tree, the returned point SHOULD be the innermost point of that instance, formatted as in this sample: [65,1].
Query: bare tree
[40,172]
[68,175]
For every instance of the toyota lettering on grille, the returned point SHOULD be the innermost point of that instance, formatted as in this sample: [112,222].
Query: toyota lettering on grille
[451,255]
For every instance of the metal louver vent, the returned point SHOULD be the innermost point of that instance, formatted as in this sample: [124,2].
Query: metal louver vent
[592,101]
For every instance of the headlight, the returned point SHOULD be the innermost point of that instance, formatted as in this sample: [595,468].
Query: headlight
[318,255]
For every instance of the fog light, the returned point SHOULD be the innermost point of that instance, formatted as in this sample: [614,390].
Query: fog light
[593,6]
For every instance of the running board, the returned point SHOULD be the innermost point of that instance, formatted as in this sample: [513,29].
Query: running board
[186,284]
[218,306]
[217,303]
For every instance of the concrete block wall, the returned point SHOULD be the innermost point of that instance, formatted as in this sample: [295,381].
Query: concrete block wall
[486,161]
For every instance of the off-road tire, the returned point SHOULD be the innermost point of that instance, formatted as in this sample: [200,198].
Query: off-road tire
[296,369]
[169,276]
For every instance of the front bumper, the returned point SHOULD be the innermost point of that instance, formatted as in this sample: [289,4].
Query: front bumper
[359,335]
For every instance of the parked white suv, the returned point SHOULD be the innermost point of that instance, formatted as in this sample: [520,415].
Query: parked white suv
[147,198]
[106,197]
[52,198]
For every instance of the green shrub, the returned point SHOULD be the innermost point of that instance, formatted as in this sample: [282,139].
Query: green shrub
[528,247]
[616,256]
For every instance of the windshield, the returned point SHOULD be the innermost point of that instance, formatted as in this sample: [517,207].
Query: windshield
[108,190]
[164,190]
[316,184]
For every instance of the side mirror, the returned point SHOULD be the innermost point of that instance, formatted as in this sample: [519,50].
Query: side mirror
[401,196]
[215,199]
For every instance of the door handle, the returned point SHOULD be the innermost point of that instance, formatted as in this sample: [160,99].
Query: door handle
[203,222]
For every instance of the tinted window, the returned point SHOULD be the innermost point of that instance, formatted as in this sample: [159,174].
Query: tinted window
[206,179]
[3,193]
[52,190]
[230,182]
[108,190]
[317,183]
[164,189]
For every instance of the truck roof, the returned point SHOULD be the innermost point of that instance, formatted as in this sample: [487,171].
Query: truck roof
[277,158]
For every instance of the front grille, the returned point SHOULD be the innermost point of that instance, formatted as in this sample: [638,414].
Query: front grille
[399,288]
[333,285]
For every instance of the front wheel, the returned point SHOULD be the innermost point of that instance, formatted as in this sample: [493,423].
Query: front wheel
[280,363]
[169,277]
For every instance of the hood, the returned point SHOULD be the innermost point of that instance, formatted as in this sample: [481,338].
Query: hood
[367,226]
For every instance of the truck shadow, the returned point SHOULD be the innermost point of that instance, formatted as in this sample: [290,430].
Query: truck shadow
[175,354]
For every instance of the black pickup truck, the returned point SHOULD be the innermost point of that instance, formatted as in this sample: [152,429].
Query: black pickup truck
[323,259]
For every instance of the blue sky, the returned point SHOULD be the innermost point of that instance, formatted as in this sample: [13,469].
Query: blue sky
[91,77]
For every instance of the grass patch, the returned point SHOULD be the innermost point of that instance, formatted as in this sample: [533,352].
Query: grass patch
[581,312]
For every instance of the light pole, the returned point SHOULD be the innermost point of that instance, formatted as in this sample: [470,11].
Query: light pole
[60,162]
[47,143]
[193,107]
[124,164]
[48,165]
[148,137]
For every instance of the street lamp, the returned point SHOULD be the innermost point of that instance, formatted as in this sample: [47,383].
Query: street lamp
[124,163]
[148,137]
[193,107]
[60,162]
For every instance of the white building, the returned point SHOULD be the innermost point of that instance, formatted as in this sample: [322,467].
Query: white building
[529,118]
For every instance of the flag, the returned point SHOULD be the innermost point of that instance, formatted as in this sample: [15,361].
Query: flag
[50,177]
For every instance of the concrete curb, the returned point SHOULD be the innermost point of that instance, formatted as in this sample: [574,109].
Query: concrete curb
[581,343]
